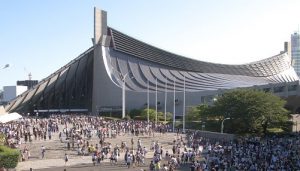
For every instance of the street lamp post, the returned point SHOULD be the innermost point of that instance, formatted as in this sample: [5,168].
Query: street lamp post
[123,79]
[222,125]
[156,101]
[183,117]
[123,98]
[148,101]
[174,94]
[5,66]
[166,100]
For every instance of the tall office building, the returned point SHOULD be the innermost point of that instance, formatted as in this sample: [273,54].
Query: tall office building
[295,48]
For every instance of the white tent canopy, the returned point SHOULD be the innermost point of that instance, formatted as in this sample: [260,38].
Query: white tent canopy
[9,117]
[2,110]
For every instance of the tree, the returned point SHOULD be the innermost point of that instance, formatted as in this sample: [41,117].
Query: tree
[251,111]
[198,113]
[152,115]
[135,112]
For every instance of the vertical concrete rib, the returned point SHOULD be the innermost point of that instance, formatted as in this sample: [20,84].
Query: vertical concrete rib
[100,29]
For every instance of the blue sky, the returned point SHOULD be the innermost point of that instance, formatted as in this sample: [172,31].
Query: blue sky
[41,36]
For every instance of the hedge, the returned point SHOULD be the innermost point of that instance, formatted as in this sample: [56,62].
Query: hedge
[9,157]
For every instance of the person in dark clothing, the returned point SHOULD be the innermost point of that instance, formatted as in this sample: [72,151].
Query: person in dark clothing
[151,166]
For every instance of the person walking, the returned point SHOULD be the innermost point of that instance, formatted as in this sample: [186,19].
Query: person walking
[129,160]
[66,158]
[43,150]
[94,157]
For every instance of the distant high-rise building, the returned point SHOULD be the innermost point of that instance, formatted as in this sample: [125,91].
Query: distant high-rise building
[28,83]
[11,92]
[295,49]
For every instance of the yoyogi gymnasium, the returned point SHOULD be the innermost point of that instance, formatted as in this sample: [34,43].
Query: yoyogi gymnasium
[120,73]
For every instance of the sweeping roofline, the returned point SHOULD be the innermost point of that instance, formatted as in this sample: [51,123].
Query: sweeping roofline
[266,67]
[189,58]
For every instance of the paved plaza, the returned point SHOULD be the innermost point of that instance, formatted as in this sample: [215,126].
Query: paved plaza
[55,151]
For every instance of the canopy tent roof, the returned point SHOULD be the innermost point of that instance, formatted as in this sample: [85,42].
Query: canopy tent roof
[2,110]
[9,117]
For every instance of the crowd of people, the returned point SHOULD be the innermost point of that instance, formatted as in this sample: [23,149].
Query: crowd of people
[278,152]
[88,135]
[79,133]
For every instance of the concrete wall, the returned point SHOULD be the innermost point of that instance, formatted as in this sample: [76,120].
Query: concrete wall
[214,135]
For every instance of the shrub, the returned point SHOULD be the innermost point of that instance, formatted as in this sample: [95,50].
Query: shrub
[135,112]
[2,139]
[8,157]
[127,117]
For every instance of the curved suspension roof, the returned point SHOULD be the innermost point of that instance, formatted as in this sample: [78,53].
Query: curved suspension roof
[267,67]
[145,63]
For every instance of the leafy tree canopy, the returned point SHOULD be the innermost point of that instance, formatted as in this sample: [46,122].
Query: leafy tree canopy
[251,111]
[198,113]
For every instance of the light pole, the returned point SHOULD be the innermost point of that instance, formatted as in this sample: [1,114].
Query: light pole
[156,101]
[5,66]
[174,109]
[222,124]
[97,109]
[148,101]
[183,117]
[123,79]
[166,100]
